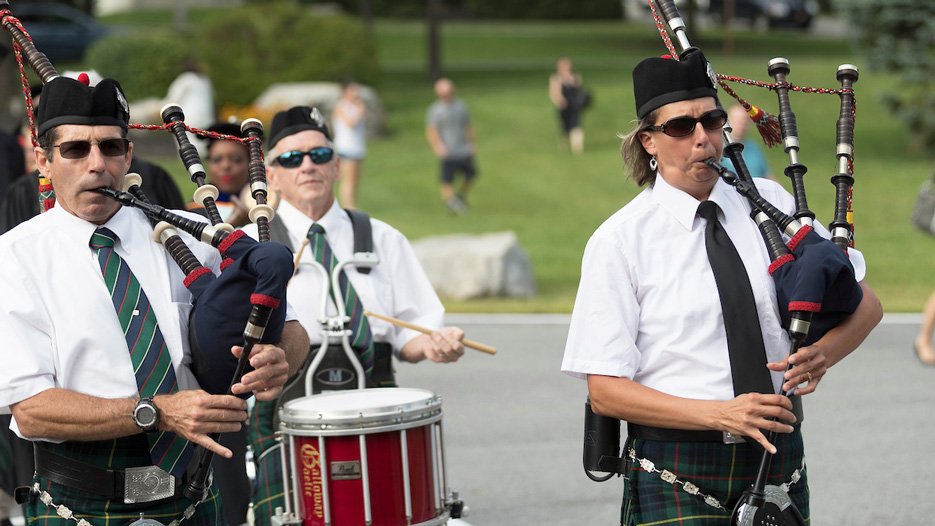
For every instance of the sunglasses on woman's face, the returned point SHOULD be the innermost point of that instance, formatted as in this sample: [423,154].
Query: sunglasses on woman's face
[294,158]
[81,149]
[682,126]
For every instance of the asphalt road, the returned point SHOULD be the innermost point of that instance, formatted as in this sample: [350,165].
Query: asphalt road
[513,429]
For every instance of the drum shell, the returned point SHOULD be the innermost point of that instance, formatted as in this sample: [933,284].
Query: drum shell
[325,434]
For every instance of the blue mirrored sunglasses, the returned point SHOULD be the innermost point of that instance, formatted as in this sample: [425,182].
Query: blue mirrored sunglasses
[294,158]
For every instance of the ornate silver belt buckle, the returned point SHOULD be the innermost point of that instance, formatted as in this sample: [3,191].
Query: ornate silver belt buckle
[730,438]
[146,484]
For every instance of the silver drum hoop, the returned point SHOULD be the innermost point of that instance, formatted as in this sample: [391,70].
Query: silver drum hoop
[366,411]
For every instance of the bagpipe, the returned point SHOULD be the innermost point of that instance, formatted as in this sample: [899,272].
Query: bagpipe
[244,305]
[815,282]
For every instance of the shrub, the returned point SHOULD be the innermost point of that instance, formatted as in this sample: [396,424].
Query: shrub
[144,63]
[258,45]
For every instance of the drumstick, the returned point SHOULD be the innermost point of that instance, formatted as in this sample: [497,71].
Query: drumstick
[467,343]
[298,254]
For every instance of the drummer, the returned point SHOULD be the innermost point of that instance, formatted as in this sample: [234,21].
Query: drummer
[302,167]
[653,329]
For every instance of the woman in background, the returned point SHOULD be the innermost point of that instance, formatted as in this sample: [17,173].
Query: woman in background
[350,141]
[569,97]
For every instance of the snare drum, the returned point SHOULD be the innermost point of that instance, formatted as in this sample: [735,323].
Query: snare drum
[365,457]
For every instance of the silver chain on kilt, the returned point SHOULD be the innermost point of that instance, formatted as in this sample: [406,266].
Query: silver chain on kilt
[691,489]
[65,512]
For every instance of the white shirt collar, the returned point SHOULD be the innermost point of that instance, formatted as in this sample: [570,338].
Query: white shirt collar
[683,207]
[331,221]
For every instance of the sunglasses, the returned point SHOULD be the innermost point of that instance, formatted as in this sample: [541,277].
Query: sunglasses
[81,149]
[294,158]
[682,126]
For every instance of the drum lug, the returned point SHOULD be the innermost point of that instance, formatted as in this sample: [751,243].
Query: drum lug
[457,507]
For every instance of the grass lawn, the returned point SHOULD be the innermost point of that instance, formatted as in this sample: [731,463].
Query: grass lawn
[554,200]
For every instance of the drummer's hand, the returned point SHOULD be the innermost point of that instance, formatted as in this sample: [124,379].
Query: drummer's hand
[446,345]
[269,375]
[809,365]
[442,346]
[752,413]
[193,414]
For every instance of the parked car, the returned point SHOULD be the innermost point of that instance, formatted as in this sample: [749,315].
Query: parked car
[764,14]
[60,31]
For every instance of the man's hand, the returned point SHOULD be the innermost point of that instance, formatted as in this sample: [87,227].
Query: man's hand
[752,413]
[442,346]
[269,375]
[193,414]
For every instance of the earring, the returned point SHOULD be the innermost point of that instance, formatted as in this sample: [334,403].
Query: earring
[653,164]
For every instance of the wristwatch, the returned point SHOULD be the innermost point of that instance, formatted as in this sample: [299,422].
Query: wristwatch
[146,415]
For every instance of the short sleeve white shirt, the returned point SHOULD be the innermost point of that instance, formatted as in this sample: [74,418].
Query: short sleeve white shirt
[648,308]
[58,319]
[397,286]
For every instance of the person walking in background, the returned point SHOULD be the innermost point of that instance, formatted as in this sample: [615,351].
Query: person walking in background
[752,151]
[350,140]
[448,130]
[568,95]
[923,342]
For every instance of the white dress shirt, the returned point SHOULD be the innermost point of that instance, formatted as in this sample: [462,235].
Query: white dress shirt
[648,308]
[397,286]
[56,314]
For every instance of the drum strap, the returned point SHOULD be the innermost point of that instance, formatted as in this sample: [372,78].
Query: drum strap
[360,221]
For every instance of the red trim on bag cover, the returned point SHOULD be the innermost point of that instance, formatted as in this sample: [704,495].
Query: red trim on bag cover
[807,306]
[780,261]
[195,274]
[797,238]
[263,299]
[229,240]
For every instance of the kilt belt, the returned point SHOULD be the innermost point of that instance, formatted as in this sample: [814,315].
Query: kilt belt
[126,485]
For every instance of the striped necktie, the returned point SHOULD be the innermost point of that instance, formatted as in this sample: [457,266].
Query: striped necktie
[148,352]
[361,339]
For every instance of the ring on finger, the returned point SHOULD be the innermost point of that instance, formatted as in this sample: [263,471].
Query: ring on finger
[809,375]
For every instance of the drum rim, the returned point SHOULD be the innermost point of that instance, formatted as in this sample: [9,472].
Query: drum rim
[420,412]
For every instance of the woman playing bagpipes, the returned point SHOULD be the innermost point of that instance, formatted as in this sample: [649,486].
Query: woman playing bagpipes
[676,325]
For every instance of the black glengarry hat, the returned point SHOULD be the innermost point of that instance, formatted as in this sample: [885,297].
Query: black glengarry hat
[225,128]
[657,81]
[294,120]
[68,101]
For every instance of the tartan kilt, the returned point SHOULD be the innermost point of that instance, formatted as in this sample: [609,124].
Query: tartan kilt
[270,489]
[116,454]
[267,452]
[720,470]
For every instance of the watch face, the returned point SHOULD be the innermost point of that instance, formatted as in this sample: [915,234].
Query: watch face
[145,415]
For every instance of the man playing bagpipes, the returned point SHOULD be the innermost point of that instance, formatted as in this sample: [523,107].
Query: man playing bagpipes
[103,389]
[676,325]
[302,167]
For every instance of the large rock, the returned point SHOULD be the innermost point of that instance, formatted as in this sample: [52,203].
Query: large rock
[463,266]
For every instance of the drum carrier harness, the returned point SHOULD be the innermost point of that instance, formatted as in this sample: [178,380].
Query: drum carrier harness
[335,373]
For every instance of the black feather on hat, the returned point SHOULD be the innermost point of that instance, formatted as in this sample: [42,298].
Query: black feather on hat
[658,81]
[68,101]
[294,120]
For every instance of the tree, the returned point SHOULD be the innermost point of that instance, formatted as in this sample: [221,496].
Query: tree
[898,37]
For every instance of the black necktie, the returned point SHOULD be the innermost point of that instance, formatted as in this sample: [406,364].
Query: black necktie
[744,339]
